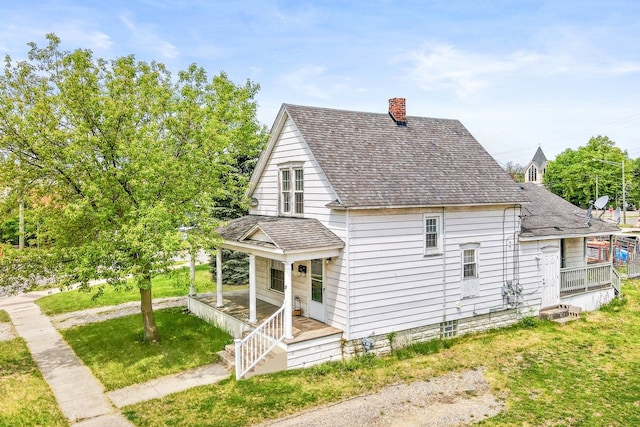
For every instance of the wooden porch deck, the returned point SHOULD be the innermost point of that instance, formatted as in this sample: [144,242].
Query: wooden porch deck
[236,305]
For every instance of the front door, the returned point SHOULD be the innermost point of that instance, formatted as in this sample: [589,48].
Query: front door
[550,277]
[316,300]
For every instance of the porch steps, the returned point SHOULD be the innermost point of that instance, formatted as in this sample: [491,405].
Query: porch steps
[562,313]
[274,361]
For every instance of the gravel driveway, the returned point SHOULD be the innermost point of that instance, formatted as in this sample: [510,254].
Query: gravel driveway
[455,399]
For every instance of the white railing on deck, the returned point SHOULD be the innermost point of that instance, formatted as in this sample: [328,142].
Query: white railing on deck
[255,346]
[616,282]
[633,265]
[581,279]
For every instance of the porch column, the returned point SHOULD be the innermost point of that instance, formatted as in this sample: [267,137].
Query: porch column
[288,298]
[253,318]
[219,302]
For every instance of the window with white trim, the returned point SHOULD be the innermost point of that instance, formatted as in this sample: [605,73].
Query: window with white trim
[432,224]
[291,190]
[469,263]
[470,285]
[277,276]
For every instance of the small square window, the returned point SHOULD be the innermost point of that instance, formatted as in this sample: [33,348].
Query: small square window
[449,329]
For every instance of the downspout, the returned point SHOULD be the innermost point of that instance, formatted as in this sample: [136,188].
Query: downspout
[347,261]
[444,269]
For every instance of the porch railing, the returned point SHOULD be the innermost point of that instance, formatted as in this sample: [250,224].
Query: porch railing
[254,347]
[633,265]
[582,279]
[616,282]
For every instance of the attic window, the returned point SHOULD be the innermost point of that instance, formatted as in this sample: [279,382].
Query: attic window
[291,190]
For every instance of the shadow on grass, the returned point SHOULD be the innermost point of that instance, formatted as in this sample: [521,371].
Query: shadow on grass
[117,355]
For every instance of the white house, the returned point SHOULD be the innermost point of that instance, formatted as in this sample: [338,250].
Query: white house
[367,228]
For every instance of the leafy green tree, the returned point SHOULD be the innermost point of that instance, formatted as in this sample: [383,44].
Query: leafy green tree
[572,175]
[118,156]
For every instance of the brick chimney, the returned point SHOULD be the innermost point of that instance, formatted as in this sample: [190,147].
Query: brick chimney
[398,110]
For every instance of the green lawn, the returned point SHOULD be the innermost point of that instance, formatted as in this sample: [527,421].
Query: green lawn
[114,350]
[176,283]
[25,397]
[584,373]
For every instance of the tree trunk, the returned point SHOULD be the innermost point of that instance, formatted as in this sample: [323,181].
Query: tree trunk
[148,321]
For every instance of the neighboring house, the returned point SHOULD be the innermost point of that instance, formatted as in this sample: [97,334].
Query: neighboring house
[374,228]
[536,168]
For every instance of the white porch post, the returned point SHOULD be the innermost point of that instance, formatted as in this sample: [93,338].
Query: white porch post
[288,298]
[219,302]
[192,272]
[253,318]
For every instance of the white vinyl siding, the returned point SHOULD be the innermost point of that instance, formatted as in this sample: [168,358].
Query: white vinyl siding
[314,189]
[574,252]
[395,287]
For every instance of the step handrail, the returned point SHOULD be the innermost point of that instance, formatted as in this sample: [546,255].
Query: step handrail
[254,347]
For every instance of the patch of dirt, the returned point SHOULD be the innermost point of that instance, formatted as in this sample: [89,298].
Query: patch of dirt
[99,314]
[7,333]
[455,399]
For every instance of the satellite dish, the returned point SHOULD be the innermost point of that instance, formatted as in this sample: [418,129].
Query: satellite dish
[601,202]
[588,215]
[616,215]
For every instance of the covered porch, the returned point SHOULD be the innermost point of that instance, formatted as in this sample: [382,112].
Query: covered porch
[234,316]
[286,255]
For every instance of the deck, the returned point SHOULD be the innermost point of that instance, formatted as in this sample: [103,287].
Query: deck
[236,306]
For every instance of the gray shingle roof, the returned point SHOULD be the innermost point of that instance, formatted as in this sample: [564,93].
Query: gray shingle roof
[372,162]
[549,215]
[286,233]
[539,159]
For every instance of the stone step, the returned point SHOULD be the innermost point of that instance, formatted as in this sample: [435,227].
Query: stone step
[228,357]
[561,314]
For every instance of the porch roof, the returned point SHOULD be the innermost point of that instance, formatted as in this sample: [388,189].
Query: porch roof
[547,215]
[278,234]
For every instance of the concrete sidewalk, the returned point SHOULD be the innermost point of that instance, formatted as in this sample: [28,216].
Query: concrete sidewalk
[80,395]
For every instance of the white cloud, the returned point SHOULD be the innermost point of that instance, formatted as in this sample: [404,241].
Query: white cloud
[306,80]
[146,36]
[442,66]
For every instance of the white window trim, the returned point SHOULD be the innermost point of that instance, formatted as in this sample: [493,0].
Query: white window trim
[291,167]
[470,285]
[438,250]
[475,247]
[274,265]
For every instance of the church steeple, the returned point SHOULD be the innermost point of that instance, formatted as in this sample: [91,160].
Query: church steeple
[536,168]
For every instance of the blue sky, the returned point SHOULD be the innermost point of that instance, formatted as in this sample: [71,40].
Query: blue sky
[518,74]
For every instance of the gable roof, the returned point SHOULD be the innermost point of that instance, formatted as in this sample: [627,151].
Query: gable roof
[539,159]
[549,215]
[285,233]
[370,161]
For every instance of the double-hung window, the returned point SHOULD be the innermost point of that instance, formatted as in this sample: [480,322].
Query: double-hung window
[470,285]
[469,263]
[277,276]
[291,190]
[432,223]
